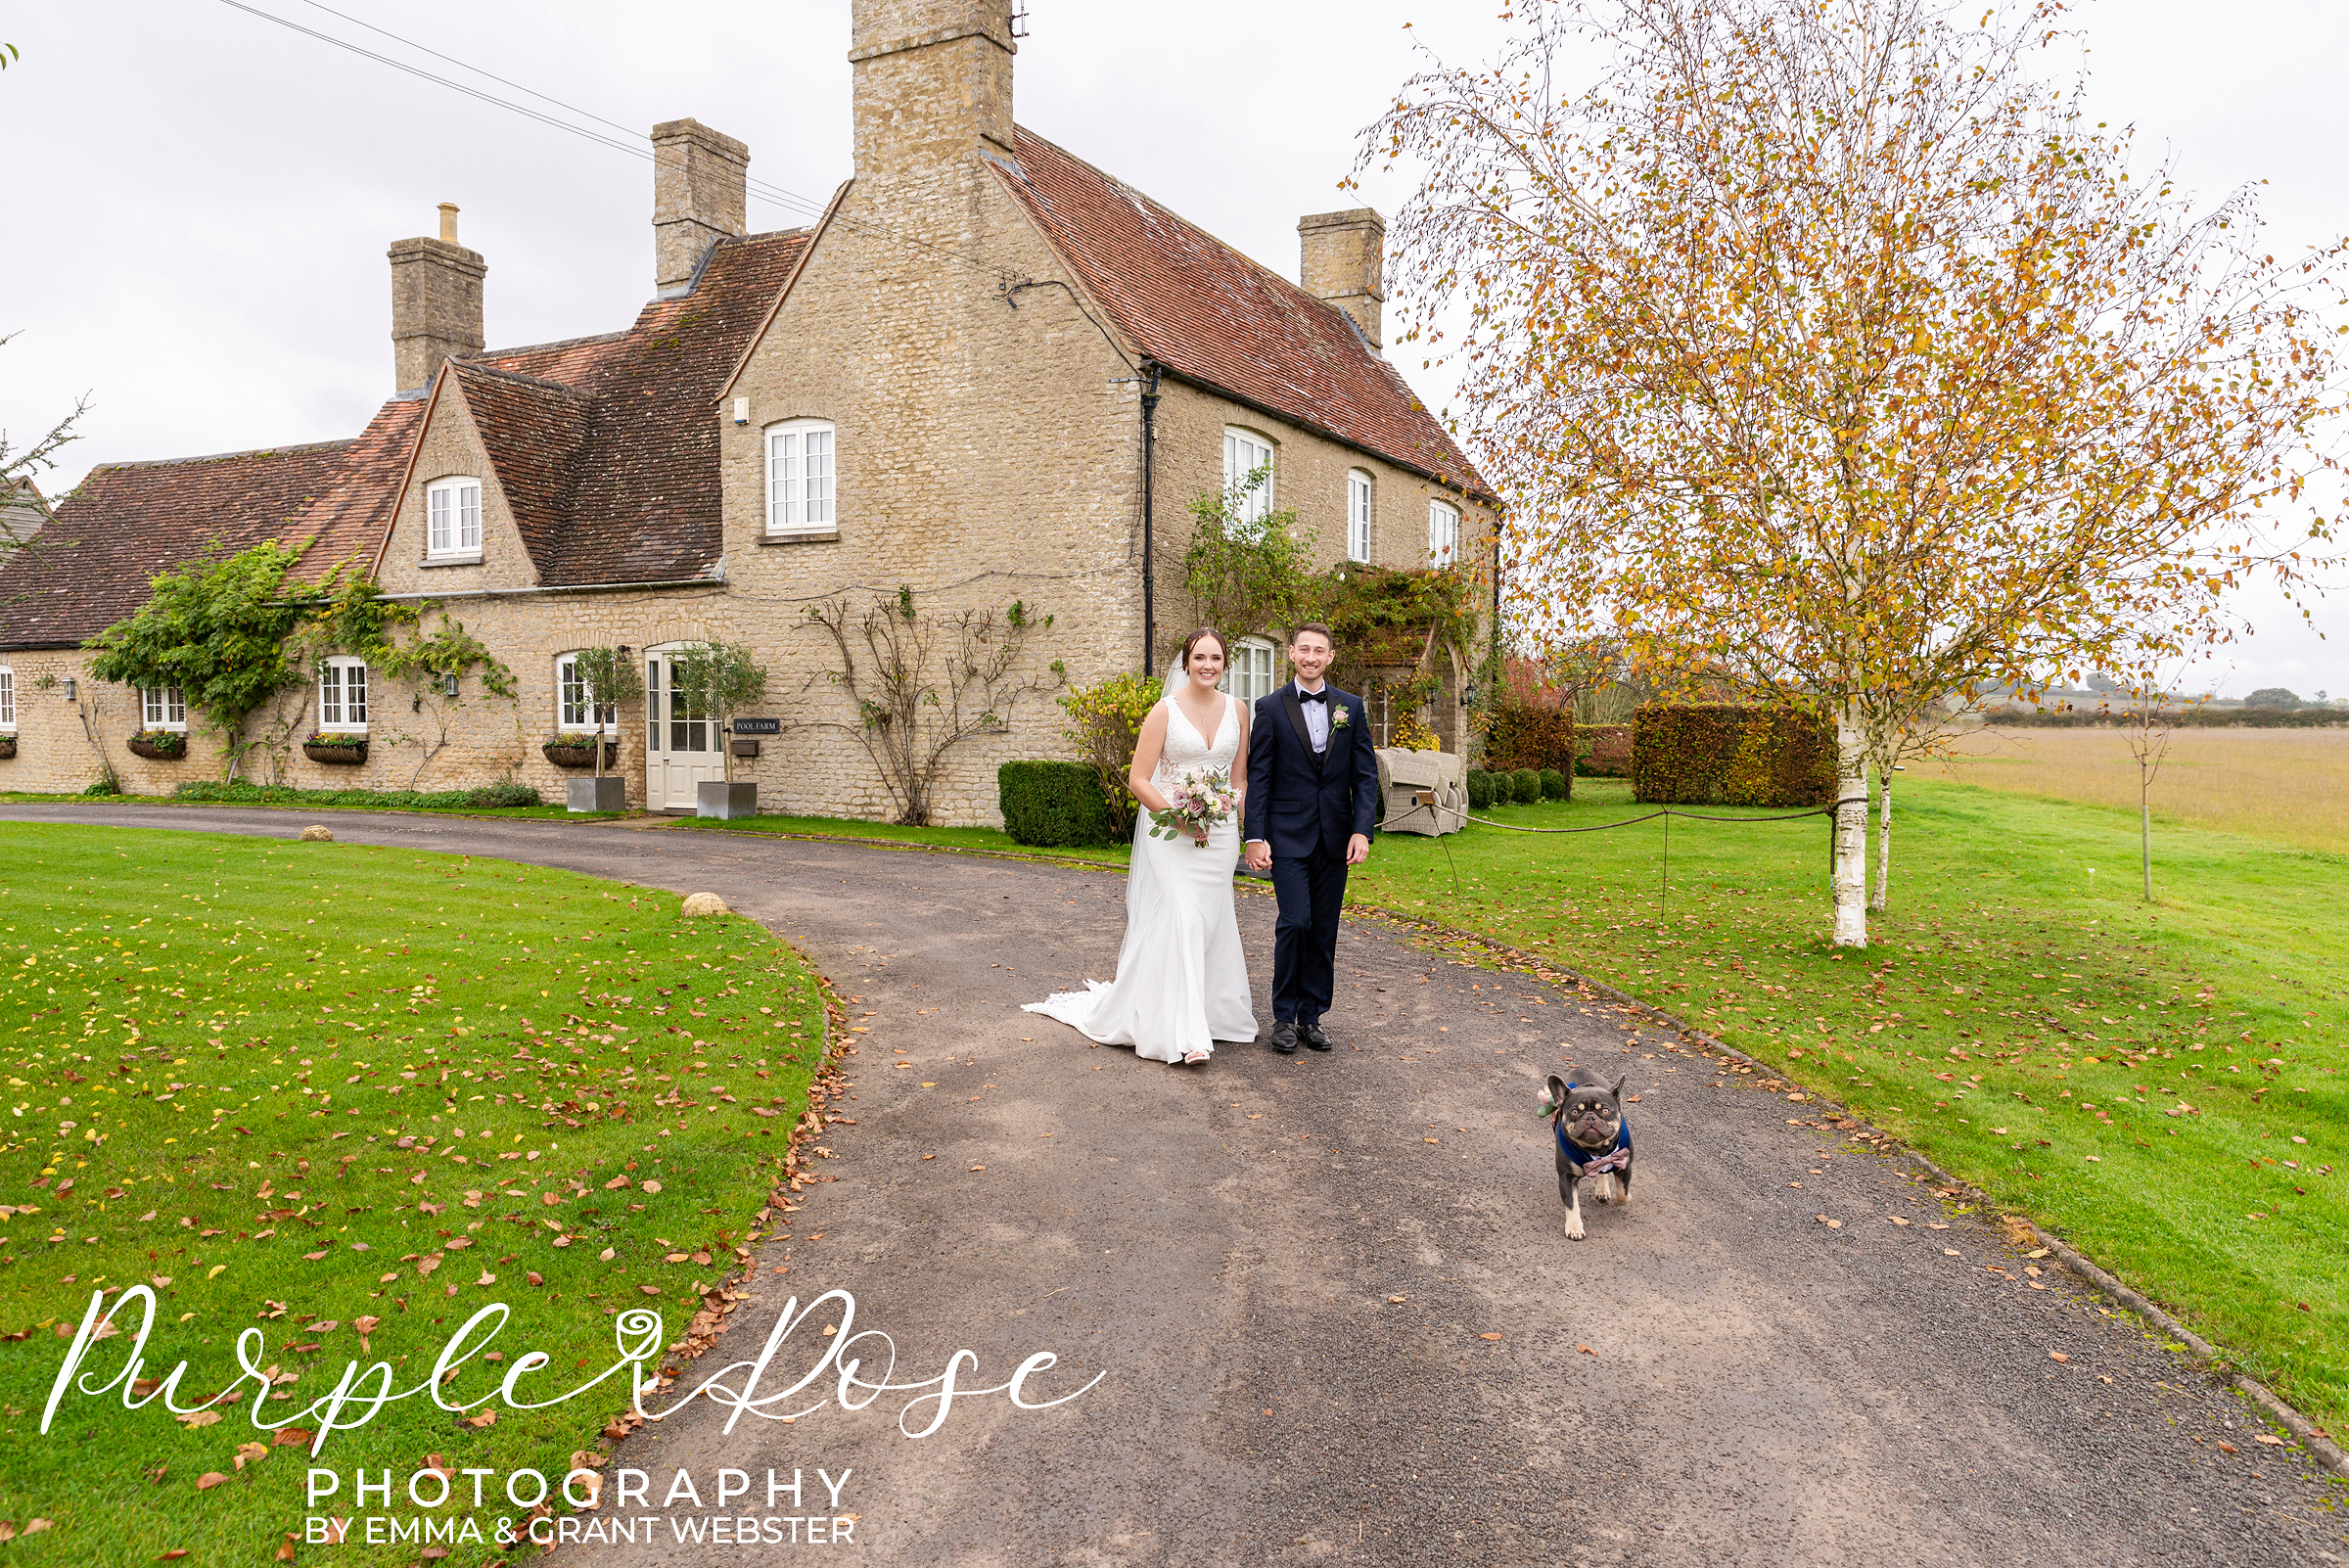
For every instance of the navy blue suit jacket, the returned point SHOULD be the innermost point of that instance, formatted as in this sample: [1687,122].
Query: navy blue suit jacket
[1297,801]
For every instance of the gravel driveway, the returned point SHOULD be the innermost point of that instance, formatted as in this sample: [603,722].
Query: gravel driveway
[1330,1300]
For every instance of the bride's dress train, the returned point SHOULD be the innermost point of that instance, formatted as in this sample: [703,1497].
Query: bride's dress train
[1183,981]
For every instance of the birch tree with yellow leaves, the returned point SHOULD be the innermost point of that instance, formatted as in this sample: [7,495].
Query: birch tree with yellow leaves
[1824,347]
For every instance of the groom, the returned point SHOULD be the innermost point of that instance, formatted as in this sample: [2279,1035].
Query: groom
[1312,798]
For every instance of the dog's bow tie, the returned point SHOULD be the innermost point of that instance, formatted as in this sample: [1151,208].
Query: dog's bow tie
[1313,696]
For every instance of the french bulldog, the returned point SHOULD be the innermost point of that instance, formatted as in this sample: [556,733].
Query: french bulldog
[1593,1141]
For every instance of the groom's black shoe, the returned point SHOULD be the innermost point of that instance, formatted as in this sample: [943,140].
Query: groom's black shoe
[1312,1035]
[1284,1036]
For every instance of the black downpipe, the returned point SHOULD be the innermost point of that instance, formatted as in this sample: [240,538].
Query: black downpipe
[1149,538]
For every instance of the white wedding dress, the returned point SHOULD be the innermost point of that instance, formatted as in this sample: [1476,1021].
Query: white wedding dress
[1182,981]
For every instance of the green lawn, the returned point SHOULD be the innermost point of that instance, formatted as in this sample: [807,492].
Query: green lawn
[2162,1084]
[347,1096]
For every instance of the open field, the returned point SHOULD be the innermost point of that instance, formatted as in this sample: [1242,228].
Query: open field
[2162,1084]
[2289,785]
[343,1098]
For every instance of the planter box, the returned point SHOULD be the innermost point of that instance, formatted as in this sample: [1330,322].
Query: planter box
[141,746]
[716,797]
[607,793]
[7,747]
[336,755]
[580,756]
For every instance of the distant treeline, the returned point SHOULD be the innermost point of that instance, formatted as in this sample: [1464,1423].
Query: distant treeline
[2180,718]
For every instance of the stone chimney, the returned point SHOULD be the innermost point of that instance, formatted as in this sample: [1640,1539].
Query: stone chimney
[435,303]
[933,82]
[1344,261]
[699,180]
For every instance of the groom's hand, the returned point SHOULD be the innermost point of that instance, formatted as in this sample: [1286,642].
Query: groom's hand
[1260,855]
[1357,849]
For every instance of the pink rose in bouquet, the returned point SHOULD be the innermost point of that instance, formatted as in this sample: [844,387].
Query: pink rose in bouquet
[1198,801]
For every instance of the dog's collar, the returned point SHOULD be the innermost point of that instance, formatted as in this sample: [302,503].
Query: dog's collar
[1619,1158]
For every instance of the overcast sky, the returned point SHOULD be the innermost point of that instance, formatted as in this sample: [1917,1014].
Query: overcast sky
[201,200]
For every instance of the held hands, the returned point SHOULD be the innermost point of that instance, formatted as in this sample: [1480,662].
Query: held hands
[1260,855]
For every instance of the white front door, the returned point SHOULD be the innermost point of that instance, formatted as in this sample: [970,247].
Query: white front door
[680,746]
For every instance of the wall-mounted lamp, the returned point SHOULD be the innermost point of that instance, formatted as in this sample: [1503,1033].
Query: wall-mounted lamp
[742,410]
[623,650]
[71,688]
[448,685]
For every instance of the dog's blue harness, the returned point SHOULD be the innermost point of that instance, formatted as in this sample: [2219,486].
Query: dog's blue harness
[1585,1163]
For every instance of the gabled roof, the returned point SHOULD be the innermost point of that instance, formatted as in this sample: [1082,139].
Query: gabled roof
[1216,318]
[638,498]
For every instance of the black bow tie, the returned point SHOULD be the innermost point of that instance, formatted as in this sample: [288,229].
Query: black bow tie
[1313,696]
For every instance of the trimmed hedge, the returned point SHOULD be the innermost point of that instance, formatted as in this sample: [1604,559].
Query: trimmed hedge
[2188,718]
[1521,735]
[489,795]
[1555,786]
[1052,803]
[1731,754]
[1480,790]
[1525,786]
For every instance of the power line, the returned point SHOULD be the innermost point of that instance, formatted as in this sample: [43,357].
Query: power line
[772,194]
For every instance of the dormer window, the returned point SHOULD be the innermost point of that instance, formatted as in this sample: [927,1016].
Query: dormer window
[799,477]
[453,510]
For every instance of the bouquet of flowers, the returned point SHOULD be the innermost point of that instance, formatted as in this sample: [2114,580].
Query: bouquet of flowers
[1196,801]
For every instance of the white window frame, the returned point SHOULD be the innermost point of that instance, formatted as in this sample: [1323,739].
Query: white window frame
[343,697]
[1443,535]
[1244,452]
[567,704]
[452,517]
[162,708]
[802,477]
[1358,515]
[1253,671]
[8,700]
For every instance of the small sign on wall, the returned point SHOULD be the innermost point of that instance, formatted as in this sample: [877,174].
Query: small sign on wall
[758,726]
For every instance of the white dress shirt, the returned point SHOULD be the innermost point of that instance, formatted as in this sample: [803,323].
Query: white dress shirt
[1317,717]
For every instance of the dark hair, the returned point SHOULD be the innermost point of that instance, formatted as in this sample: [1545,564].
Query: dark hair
[1296,633]
[1196,638]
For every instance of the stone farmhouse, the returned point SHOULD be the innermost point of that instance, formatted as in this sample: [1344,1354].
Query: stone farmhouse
[989,372]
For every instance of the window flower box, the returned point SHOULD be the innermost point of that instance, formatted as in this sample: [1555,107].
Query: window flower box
[7,747]
[158,745]
[336,751]
[578,751]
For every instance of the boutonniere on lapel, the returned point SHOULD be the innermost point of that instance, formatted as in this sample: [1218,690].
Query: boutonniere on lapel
[1341,716]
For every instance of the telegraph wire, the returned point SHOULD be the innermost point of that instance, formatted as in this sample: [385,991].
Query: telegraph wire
[772,195]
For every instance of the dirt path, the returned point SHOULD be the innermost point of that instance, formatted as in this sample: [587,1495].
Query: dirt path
[1225,1246]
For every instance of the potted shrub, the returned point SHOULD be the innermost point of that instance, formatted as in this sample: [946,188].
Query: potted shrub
[578,751]
[336,751]
[719,678]
[606,678]
[159,745]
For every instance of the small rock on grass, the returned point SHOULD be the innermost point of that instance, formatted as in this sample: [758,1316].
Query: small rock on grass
[317,833]
[704,903]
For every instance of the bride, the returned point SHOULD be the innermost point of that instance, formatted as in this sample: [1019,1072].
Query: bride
[1182,984]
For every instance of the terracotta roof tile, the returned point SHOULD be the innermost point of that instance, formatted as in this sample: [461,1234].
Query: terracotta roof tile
[127,522]
[1213,316]
[644,501]
[533,431]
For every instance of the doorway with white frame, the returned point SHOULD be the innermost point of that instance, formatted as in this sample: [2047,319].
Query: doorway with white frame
[680,744]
